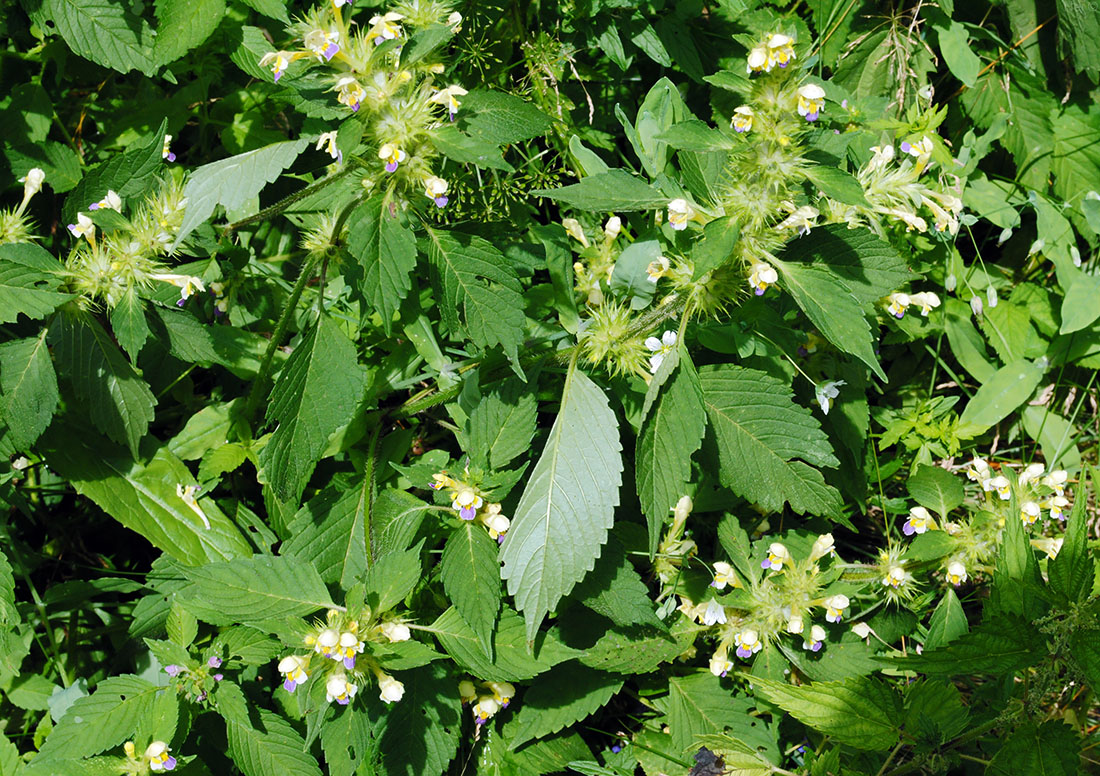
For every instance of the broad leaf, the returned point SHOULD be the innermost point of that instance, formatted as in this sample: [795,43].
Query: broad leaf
[392,577]
[28,279]
[28,389]
[101,721]
[1052,748]
[635,649]
[262,587]
[386,252]
[471,577]
[330,531]
[869,267]
[948,622]
[997,647]
[183,25]
[561,697]
[261,743]
[501,118]
[614,589]
[422,730]
[316,394]
[1007,389]
[105,32]
[615,190]
[129,325]
[502,424]
[761,433]
[1073,570]
[565,511]
[936,489]
[699,705]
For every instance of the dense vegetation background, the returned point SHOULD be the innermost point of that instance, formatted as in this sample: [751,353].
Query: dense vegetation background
[595,387]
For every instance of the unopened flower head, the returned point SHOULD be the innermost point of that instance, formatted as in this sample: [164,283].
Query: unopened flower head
[762,277]
[835,606]
[748,643]
[811,99]
[613,227]
[32,182]
[157,753]
[720,664]
[293,668]
[395,631]
[467,691]
[777,556]
[816,639]
[742,119]
[660,348]
[679,213]
[796,624]
[919,521]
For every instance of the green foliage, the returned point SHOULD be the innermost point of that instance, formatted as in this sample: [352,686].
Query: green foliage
[253,590]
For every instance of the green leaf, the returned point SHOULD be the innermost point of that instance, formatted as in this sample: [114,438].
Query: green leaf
[832,306]
[997,647]
[1084,648]
[468,150]
[347,742]
[1073,571]
[614,589]
[184,25]
[695,135]
[129,325]
[104,32]
[837,184]
[1078,31]
[699,705]
[963,63]
[1007,389]
[263,587]
[1017,582]
[862,713]
[716,246]
[761,433]
[316,393]
[502,424]
[226,458]
[511,660]
[948,622]
[868,266]
[391,578]
[386,252]
[934,711]
[673,425]
[936,489]
[1056,436]
[28,386]
[967,344]
[8,613]
[569,503]
[117,400]
[500,118]
[477,290]
[471,577]
[561,697]
[272,8]
[128,174]
[424,41]
[630,279]
[615,190]
[118,708]
[635,649]
[422,731]
[233,182]
[330,532]
[28,279]
[1079,308]
[1049,749]
[261,742]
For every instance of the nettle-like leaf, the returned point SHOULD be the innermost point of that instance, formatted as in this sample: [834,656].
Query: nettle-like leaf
[28,388]
[8,613]
[614,589]
[761,433]
[1073,571]
[183,25]
[28,282]
[501,425]
[563,696]
[563,516]
[673,425]
[1052,748]
[936,489]
[615,190]
[316,394]
[471,577]
[105,32]
[261,742]
[117,400]
[254,589]
[386,251]
[420,733]
[862,713]
[329,531]
[478,293]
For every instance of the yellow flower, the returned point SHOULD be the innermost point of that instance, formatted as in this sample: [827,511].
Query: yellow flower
[956,573]
[742,119]
[780,50]
[811,99]
[762,276]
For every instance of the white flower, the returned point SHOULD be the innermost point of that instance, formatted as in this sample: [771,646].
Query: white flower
[188,494]
[897,303]
[1050,546]
[976,305]
[32,182]
[926,301]
[881,156]
[384,28]
[679,213]
[159,759]
[862,629]
[1057,505]
[1029,512]
[715,613]
[758,60]
[723,575]
[293,669]
[1031,473]
[328,142]
[804,218]
[762,276]
[327,643]
[742,119]
[777,556]
[657,269]
[956,573]
[1003,487]
[660,348]
[449,98]
[811,99]
[816,640]
[390,690]
[166,151]
[435,188]
[574,230]
[187,284]
[795,624]
[396,631]
[919,521]
[922,147]
[1056,480]
[339,689]
[612,228]
[83,227]
[823,546]
[720,664]
[826,392]
[835,606]
[896,576]
[748,643]
[111,201]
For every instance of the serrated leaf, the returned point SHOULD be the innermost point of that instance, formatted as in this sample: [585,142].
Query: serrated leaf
[563,696]
[934,711]
[501,118]
[234,181]
[316,393]
[636,649]
[422,731]
[477,290]
[612,190]
[183,25]
[502,424]
[222,459]
[862,713]
[263,587]
[699,705]
[28,389]
[1052,748]
[1000,646]
[386,252]
[511,660]
[948,622]
[673,425]
[714,249]
[105,32]
[937,489]
[469,150]
[614,589]
[101,721]
[117,400]
[832,306]
[1073,570]
[28,279]
[424,41]
[262,743]
[760,433]
[471,577]
[129,325]
[330,532]
[695,135]
[569,503]
[837,184]
[8,614]
[347,742]
[128,174]
[870,267]
[392,577]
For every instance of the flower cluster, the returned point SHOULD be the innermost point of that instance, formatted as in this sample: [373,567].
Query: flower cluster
[339,653]
[469,502]
[485,698]
[1036,489]
[196,681]
[897,303]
